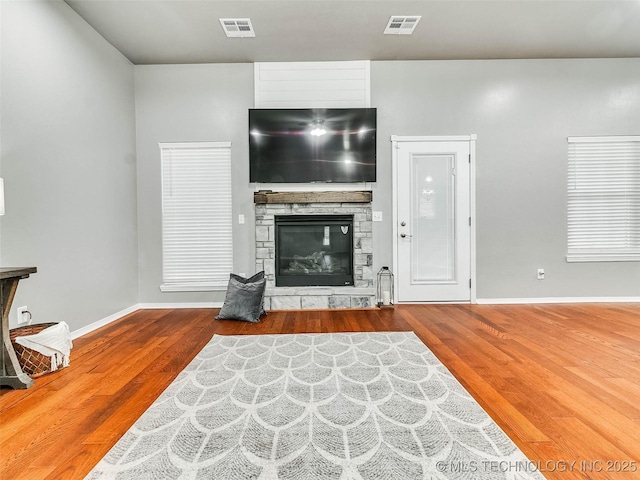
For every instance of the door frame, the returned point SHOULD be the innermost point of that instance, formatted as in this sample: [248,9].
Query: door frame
[395,140]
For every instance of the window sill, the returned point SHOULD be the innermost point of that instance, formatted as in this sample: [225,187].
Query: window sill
[193,288]
[577,258]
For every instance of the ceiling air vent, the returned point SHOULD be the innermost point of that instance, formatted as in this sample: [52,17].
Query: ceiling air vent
[237,27]
[402,24]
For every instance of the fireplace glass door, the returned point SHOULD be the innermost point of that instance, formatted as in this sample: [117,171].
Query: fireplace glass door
[314,250]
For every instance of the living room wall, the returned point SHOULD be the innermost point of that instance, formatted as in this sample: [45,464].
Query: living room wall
[521,110]
[79,207]
[68,161]
[190,103]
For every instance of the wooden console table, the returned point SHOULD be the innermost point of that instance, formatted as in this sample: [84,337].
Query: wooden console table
[11,373]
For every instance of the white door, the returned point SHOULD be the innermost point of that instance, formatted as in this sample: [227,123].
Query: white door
[432,219]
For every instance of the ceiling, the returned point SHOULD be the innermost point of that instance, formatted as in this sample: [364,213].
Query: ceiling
[188,31]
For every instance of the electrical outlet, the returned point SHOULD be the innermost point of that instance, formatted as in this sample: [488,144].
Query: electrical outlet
[541,274]
[23,314]
[377,216]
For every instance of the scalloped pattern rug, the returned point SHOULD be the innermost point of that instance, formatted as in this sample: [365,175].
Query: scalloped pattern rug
[315,406]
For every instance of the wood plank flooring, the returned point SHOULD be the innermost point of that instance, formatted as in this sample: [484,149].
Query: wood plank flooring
[563,381]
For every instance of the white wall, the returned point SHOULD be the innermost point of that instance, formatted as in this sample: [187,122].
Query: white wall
[73,124]
[68,160]
[522,111]
[186,103]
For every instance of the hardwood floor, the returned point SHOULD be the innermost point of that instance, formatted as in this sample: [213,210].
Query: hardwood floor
[563,381]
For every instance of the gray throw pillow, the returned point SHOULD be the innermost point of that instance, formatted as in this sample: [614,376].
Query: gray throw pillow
[244,298]
[255,278]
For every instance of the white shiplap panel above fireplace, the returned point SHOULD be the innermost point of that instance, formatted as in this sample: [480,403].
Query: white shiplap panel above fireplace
[312,84]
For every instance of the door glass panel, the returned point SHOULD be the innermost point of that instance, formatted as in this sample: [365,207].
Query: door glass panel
[433,211]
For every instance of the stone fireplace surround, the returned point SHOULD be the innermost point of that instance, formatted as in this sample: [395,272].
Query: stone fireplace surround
[356,203]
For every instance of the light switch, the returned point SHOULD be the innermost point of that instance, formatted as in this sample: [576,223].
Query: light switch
[377,216]
[241,219]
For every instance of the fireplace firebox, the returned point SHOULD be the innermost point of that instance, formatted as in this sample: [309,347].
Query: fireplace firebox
[313,250]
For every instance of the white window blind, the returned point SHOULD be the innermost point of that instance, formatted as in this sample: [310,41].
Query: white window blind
[197,243]
[603,199]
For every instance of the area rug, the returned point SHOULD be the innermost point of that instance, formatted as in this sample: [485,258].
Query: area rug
[315,406]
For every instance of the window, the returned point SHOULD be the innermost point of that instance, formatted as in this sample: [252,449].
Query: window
[197,244]
[603,199]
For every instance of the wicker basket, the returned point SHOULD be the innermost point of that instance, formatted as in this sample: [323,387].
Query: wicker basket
[33,363]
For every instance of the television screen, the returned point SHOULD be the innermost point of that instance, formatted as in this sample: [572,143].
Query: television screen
[312,145]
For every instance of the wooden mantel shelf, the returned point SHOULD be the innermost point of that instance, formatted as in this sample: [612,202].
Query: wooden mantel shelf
[265,196]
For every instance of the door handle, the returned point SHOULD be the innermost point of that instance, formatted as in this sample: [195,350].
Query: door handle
[404,235]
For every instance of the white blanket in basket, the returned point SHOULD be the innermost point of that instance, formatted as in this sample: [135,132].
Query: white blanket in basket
[54,342]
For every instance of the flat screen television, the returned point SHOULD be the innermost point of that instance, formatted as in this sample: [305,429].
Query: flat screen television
[307,145]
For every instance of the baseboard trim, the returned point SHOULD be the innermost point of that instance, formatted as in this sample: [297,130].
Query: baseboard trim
[481,301]
[105,321]
[509,301]
[180,305]
[139,306]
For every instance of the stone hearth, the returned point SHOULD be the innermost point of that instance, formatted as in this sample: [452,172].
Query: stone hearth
[358,204]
